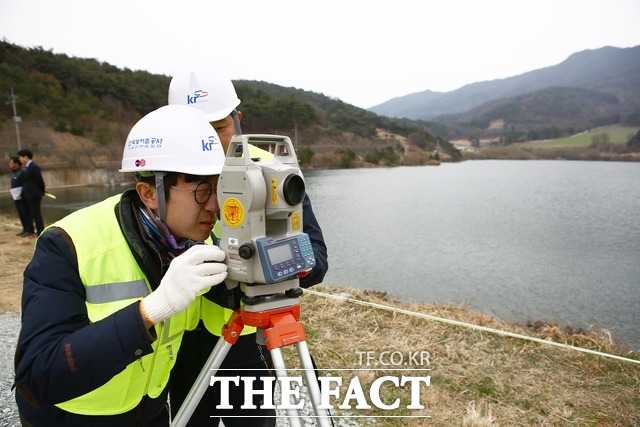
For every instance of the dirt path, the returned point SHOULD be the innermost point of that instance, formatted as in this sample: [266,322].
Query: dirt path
[15,254]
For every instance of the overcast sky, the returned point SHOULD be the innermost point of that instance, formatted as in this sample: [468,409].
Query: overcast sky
[362,52]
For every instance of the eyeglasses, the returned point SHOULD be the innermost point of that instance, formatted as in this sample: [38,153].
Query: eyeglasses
[202,193]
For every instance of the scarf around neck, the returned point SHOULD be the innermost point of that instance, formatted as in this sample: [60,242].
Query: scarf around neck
[158,233]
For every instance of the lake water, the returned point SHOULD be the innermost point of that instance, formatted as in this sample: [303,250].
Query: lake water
[539,240]
[522,240]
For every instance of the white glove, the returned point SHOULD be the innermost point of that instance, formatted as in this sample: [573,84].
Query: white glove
[188,274]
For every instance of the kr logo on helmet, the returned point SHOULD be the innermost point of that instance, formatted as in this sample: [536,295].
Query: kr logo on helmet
[197,95]
[208,145]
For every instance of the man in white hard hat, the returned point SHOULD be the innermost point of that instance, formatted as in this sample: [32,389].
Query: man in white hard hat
[212,92]
[112,287]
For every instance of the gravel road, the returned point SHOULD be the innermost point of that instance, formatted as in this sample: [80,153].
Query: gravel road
[8,337]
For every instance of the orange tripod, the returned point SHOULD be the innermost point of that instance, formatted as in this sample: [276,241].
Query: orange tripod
[277,317]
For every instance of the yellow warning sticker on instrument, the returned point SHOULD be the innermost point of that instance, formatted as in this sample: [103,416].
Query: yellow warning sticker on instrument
[233,212]
[295,222]
[274,191]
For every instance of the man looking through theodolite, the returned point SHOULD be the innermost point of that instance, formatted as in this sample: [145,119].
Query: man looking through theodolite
[214,94]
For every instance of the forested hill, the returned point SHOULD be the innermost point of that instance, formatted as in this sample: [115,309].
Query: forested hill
[58,95]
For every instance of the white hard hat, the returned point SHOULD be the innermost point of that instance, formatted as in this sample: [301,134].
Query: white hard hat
[207,89]
[173,138]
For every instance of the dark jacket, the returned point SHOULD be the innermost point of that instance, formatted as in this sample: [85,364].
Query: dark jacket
[54,315]
[312,228]
[33,184]
[17,178]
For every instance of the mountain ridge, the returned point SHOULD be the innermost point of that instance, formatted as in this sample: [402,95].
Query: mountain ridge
[604,69]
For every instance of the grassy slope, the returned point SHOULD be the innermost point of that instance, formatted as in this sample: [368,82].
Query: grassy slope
[617,135]
[477,378]
[577,147]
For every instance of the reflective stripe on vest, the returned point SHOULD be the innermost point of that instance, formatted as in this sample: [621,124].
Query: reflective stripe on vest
[109,292]
[113,280]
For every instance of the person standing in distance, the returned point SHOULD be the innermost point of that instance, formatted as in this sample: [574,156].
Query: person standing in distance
[212,92]
[112,287]
[32,192]
[16,183]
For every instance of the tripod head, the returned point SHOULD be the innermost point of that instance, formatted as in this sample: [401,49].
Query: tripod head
[261,213]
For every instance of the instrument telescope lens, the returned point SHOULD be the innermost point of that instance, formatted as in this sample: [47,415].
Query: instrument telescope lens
[293,189]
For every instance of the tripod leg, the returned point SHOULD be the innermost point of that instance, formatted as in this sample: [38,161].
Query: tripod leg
[323,416]
[202,383]
[281,372]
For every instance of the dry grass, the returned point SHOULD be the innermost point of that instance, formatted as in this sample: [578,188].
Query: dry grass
[477,378]
[15,253]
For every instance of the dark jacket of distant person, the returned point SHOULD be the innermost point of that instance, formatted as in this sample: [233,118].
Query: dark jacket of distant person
[33,184]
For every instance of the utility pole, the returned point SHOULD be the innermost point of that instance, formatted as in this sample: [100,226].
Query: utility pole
[16,118]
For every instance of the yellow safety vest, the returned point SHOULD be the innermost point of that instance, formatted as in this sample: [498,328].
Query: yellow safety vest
[113,280]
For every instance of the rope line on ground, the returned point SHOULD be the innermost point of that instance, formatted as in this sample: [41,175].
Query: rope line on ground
[472,326]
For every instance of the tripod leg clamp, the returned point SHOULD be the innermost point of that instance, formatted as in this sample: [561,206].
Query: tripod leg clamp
[284,330]
[233,328]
